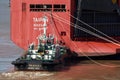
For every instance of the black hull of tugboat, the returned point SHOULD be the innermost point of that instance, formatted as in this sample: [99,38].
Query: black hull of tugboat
[34,65]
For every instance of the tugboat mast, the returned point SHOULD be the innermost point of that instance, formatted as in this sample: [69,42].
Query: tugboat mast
[45,25]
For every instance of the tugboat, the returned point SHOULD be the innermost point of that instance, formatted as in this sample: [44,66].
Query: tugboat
[46,55]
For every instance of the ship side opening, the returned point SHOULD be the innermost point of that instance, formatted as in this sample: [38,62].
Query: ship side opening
[104,17]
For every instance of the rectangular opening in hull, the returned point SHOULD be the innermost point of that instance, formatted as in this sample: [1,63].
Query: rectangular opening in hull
[106,22]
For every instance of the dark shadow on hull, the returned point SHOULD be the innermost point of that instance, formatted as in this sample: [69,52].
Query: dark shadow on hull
[72,61]
[107,57]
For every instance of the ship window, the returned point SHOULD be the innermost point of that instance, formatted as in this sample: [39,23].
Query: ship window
[49,6]
[40,7]
[62,6]
[56,6]
[32,6]
[59,8]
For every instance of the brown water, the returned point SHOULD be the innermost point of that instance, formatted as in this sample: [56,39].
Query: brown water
[83,70]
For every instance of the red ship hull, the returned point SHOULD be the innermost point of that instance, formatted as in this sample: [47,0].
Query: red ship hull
[26,24]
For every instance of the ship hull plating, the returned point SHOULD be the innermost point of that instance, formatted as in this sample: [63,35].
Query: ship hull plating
[26,24]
